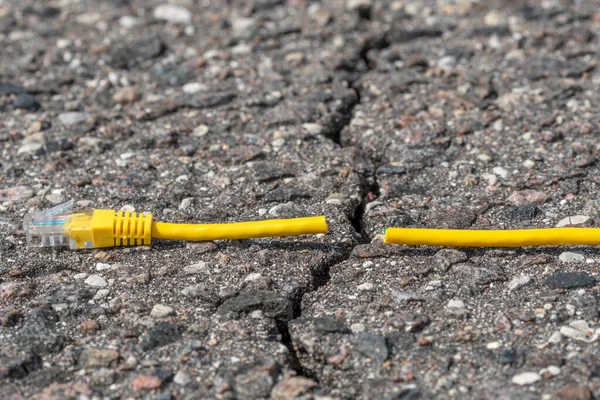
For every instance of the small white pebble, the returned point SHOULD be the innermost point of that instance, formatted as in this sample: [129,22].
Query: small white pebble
[501,172]
[253,277]
[528,164]
[484,158]
[128,208]
[95,281]
[455,304]
[161,311]
[553,370]
[569,256]
[574,220]
[355,328]
[194,87]
[518,282]
[100,294]
[200,131]
[80,276]
[365,287]
[102,266]
[526,378]
[555,338]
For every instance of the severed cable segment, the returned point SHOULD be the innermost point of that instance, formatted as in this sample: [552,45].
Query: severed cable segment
[493,238]
[90,229]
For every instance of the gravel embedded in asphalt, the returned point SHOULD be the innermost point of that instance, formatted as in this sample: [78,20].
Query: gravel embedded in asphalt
[423,113]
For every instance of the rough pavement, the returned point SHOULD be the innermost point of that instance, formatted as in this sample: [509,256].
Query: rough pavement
[375,113]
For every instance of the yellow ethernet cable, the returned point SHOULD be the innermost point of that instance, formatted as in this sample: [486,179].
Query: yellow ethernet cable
[91,229]
[493,238]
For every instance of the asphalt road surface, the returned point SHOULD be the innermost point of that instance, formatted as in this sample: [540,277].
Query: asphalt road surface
[463,114]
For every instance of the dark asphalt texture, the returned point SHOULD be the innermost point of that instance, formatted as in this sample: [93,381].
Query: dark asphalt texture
[431,113]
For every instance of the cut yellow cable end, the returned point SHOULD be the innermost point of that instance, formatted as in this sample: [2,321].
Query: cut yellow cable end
[493,238]
[60,226]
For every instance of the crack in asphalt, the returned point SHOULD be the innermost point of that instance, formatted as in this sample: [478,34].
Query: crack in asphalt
[367,189]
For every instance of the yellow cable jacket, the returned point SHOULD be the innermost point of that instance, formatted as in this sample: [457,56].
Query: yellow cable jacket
[240,230]
[493,238]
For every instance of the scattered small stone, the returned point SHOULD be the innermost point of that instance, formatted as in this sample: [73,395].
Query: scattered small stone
[271,303]
[181,378]
[555,338]
[194,87]
[432,285]
[552,370]
[26,101]
[417,322]
[337,199]
[16,194]
[292,388]
[173,13]
[73,118]
[313,129]
[400,297]
[493,345]
[253,277]
[55,198]
[34,128]
[102,266]
[570,280]
[568,257]
[256,380]
[90,325]
[572,221]
[494,18]
[96,358]
[358,4]
[529,164]
[100,294]
[128,22]
[131,54]
[145,382]
[60,307]
[196,268]
[580,330]
[526,378]
[518,281]
[200,131]
[455,304]
[162,334]
[525,197]
[161,311]
[327,324]
[243,28]
[423,341]
[574,393]
[367,286]
[13,290]
[96,281]
[524,213]
[128,95]
[372,345]
[501,172]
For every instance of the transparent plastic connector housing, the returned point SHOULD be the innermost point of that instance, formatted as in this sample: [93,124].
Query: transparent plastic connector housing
[51,227]
[87,229]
